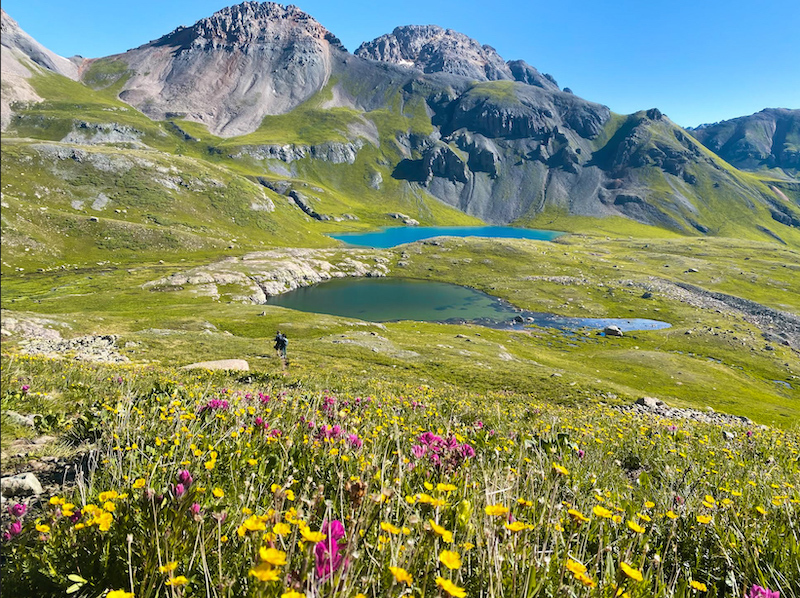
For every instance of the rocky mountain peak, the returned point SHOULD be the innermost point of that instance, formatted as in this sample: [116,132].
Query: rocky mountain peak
[433,49]
[249,23]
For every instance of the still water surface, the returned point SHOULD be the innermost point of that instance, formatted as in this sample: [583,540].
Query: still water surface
[398,235]
[392,299]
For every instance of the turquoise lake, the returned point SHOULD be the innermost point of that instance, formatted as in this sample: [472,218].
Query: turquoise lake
[398,235]
[393,299]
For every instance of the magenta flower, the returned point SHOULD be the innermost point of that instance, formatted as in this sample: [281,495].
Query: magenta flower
[25,388]
[17,510]
[76,516]
[179,490]
[15,529]
[758,592]
[185,478]
[329,554]
[355,441]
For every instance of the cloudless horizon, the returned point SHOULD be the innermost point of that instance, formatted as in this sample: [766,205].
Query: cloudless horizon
[697,61]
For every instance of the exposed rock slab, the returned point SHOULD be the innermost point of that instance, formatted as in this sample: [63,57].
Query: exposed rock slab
[220,364]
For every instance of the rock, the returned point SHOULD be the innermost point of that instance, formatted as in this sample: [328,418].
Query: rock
[650,402]
[647,295]
[221,364]
[691,270]
[519,319]
[18,419]
[23,484]
[728,435]
[94,219]
[612,331]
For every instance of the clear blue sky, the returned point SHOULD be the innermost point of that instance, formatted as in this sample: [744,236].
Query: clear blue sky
[697,60]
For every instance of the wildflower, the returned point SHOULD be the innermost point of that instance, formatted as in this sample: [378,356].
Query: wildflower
[761,510]
[185,478]
[758,592]
[389,528]
[170,566]
[17,510]
[14,529]
[329,555]
[575,567]
[496,510]
[634,574]
[401,575]
[218,492]
[451,588]
[139,483]
[312,536]
[560,469]
[601,512]
[119,594]
[450,559]
[704,519]
[577,516]
[281,529]
[273,556]
[177,581]
[265,572]
[43,528]
[585,580]
[516,526]
[446,535]
[699,586]
[292,594]
[672,514]
[635,527]
[446,487]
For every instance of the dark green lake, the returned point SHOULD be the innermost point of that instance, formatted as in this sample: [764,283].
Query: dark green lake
[392,299]
[398,235]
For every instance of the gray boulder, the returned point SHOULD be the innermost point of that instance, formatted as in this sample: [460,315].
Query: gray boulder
[23,484]
[612,331]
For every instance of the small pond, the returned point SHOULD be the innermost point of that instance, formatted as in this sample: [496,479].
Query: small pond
[392,299]
[399,235]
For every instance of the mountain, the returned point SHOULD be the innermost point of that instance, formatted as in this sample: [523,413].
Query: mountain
[432,49]
[255,125]
[22,56]
[229,70]
[769,139]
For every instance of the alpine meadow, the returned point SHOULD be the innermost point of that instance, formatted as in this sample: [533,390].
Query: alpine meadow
[281,320]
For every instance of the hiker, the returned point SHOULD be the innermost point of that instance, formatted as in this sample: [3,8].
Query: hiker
[280,344]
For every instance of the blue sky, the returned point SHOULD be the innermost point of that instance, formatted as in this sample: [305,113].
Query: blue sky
[697,60]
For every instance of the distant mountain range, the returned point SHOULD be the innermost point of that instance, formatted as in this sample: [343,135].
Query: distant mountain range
[420,115]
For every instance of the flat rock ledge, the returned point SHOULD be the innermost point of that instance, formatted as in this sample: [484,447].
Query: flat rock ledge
[658,408]
[221,364]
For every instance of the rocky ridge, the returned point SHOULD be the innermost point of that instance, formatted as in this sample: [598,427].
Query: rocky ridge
[433,49]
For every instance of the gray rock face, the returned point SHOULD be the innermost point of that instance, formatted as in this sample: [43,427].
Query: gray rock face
[333,151]
[24,484]
[613,331]
[432,49]
[767,139]
[233,68]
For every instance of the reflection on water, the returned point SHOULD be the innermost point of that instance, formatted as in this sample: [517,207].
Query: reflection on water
[393,299]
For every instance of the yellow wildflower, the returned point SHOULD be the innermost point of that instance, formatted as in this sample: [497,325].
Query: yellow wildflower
[634,574]
[119,594]
[446,535]
[601,512]
[401,575]
[177,581]
[312,536]
[699,586]
[273,556]
[389,528]
[560,469]
[450,559]
[170,566]
[704,519]
[139,483]
[635,527]
[451,588]
[265,572]
[496,510]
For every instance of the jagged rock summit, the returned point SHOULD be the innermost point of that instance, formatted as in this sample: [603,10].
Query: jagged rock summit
[433,49]
[231,69]
[22,56]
